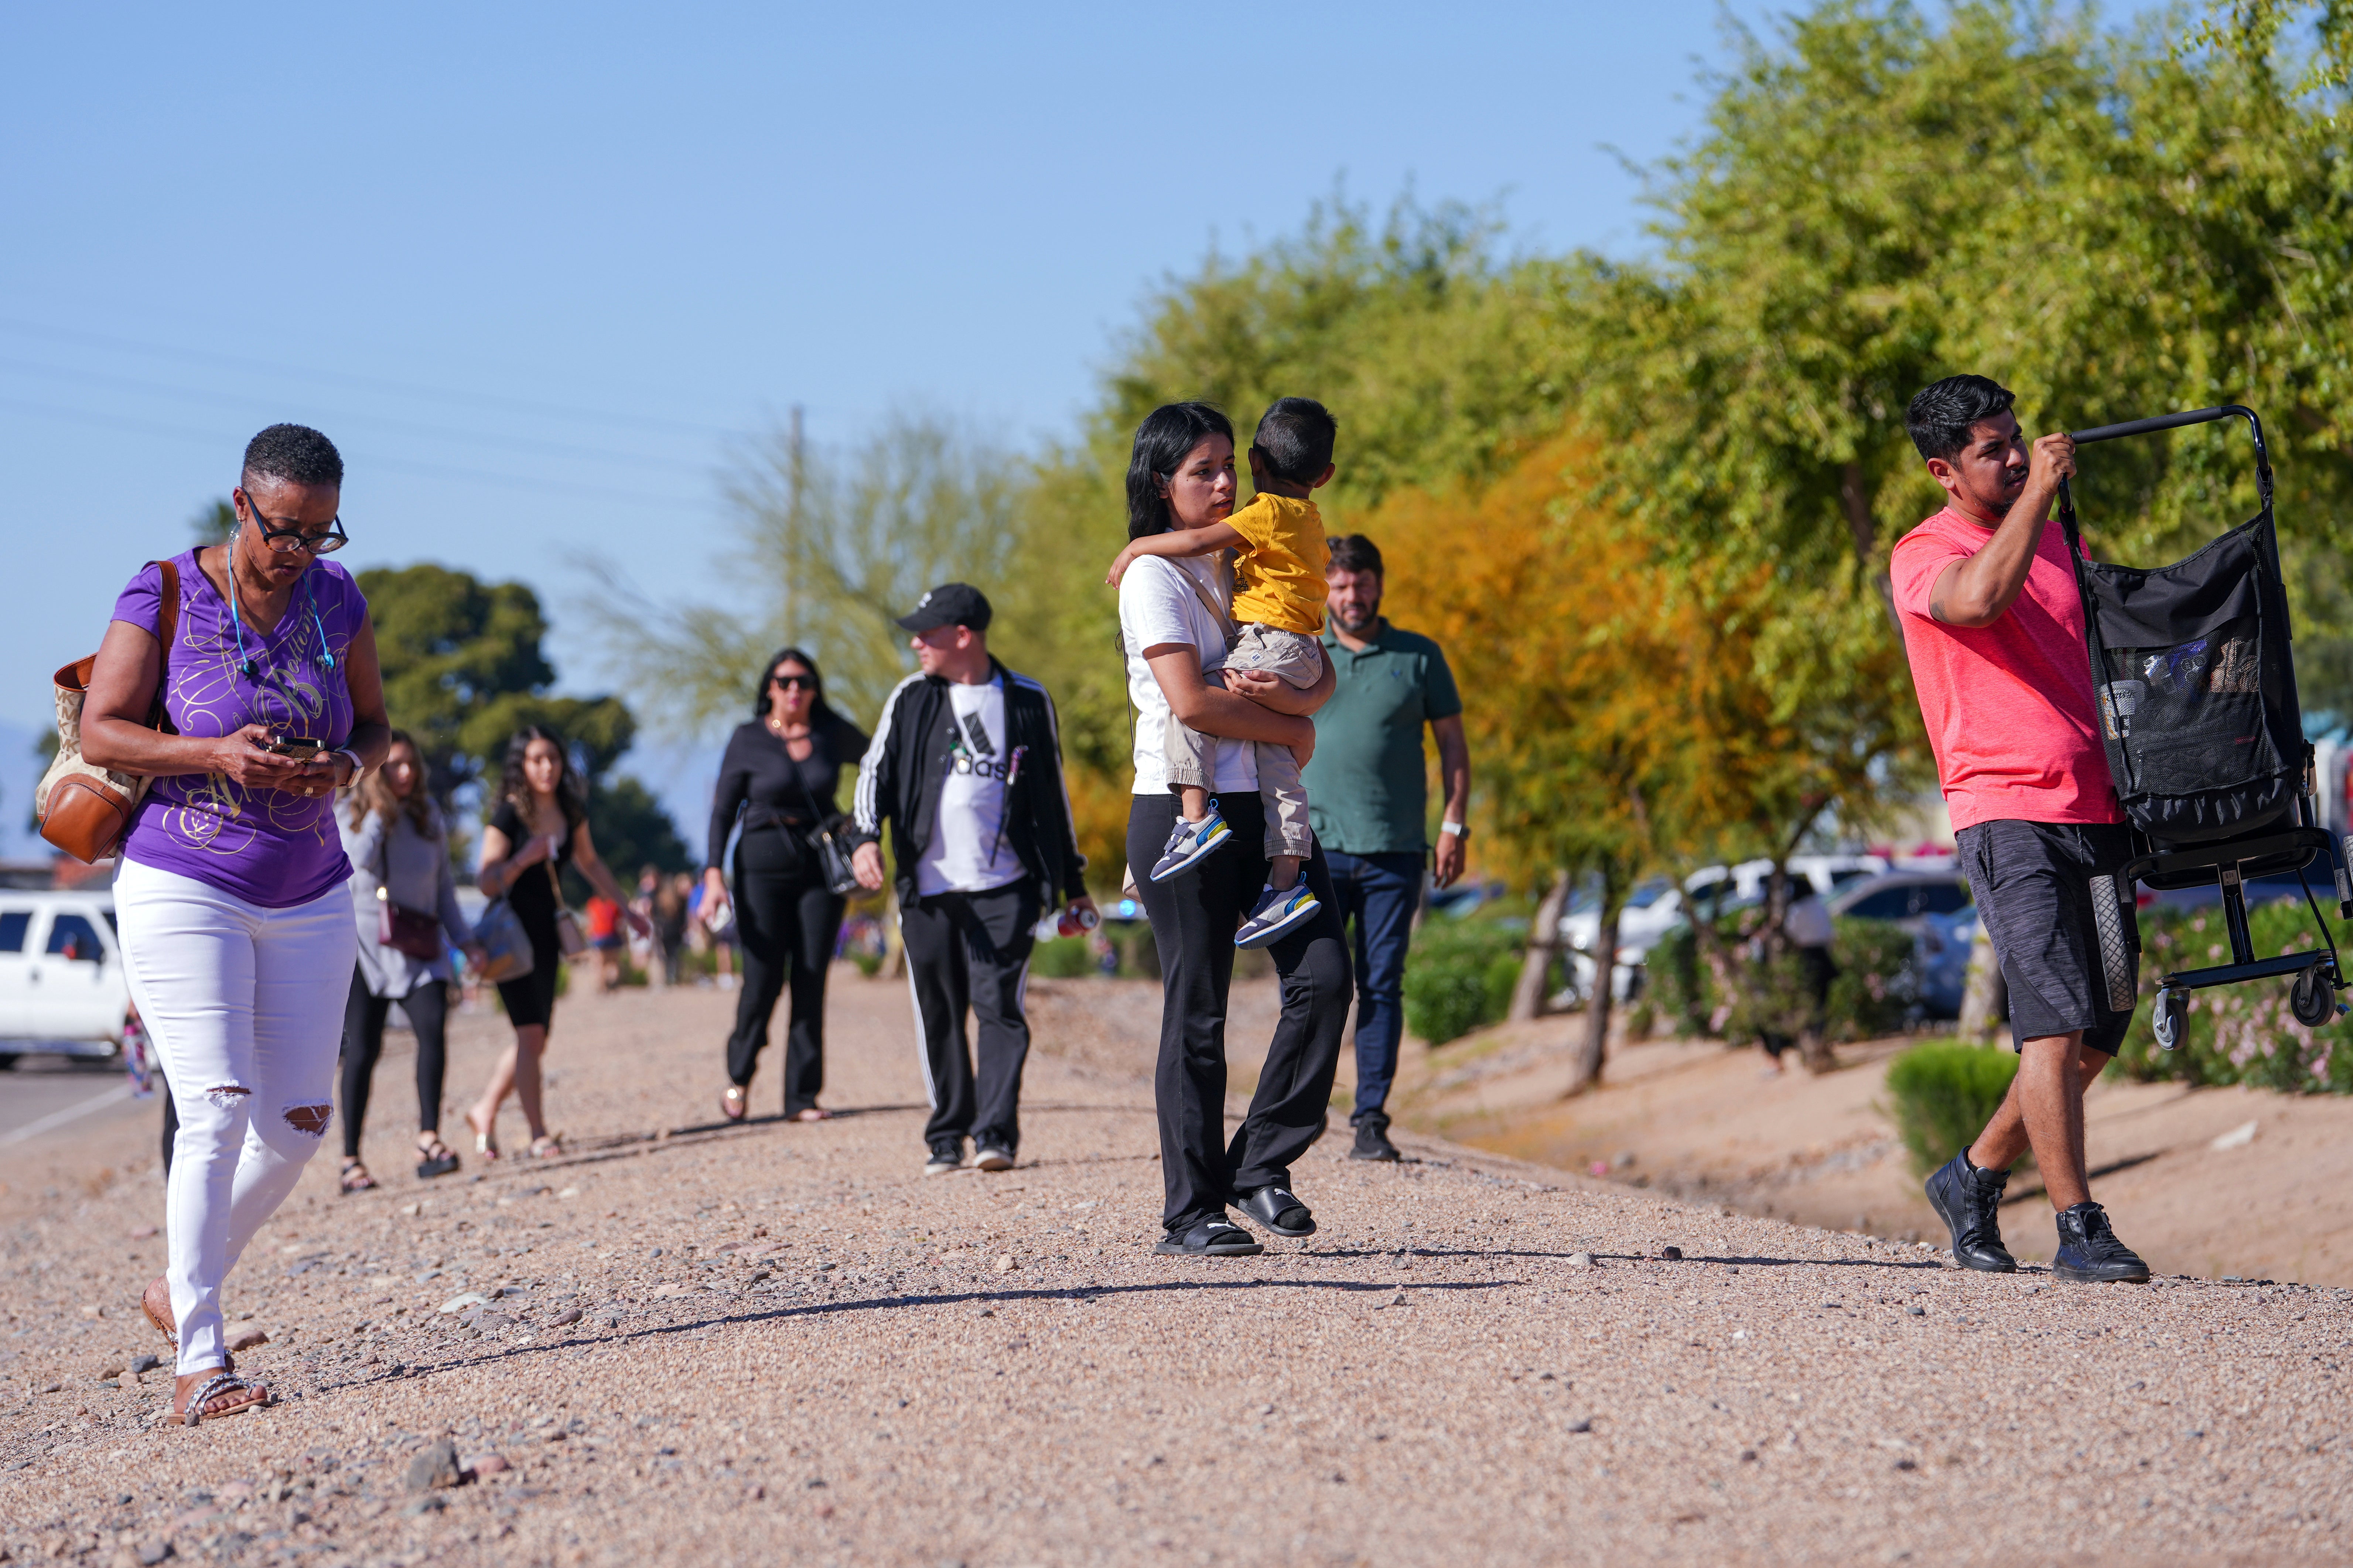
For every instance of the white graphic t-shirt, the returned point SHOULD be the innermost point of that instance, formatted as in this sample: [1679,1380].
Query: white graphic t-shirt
[969,852]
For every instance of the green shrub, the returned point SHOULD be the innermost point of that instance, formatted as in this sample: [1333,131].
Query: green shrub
[1867,999]
[1944,1094]
[2236,1033]
[1875,984]
[1459,976]
[1062,958]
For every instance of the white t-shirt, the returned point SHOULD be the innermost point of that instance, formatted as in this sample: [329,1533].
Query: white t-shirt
[969,852]
[1157,607]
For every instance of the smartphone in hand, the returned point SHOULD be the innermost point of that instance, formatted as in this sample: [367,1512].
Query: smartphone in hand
[294,747]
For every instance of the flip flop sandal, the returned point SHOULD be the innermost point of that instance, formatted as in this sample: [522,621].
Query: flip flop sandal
[547,1147]
[347,1183]
[223,1381]
[436,1158]
[735,1103]
[812,1113]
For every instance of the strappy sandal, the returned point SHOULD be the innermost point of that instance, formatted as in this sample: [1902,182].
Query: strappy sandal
[222,1383]
[734,1102]
[435,1158]
[548,1146]
[812,1113]
[356,1179]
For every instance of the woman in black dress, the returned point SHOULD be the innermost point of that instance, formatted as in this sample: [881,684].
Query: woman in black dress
[780,773]
[540,826]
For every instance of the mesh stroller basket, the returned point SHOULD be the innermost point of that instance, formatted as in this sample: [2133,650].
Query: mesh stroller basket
[2197,689]
[2205,741]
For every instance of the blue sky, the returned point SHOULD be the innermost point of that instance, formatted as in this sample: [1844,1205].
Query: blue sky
[534,268]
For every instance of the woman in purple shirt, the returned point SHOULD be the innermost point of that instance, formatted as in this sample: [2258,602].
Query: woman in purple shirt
[238,936]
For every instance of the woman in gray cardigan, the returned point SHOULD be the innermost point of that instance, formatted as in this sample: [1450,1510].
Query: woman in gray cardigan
[395,838]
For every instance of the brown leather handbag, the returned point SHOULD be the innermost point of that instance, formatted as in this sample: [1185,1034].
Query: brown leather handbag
[85,809]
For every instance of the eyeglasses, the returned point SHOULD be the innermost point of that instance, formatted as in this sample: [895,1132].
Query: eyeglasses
[287,540]
[793,683]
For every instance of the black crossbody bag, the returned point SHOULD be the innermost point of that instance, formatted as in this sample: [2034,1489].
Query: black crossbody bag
[824,839]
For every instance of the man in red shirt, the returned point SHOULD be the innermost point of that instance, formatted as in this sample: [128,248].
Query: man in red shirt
[1994,625]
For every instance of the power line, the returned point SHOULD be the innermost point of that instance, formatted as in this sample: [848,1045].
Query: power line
[214,439]
[372,384]
[517,443]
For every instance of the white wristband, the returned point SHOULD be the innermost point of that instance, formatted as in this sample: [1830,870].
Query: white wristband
[1456,829]
[358,767]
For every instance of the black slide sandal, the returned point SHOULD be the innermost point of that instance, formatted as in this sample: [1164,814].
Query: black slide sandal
[1211,1239]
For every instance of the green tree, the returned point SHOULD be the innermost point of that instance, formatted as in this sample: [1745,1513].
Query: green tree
[211,525]
[831,548]
[463,670]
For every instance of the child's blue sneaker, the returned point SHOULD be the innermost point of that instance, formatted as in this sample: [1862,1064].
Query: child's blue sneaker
[1188,841]
[1276,913]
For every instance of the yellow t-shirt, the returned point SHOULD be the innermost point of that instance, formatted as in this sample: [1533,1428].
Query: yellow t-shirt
[1280,577]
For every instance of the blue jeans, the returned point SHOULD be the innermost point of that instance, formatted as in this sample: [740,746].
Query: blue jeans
[1379,893]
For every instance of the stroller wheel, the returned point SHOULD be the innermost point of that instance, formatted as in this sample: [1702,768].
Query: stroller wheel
[2314,999]
[2172,1018]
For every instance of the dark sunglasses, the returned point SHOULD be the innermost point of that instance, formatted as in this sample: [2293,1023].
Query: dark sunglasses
[326,541]
[800,682]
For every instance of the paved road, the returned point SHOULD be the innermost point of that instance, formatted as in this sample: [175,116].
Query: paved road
[771,1342]
[42,1096]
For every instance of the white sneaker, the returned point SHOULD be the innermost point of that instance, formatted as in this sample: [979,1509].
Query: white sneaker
[991,1159]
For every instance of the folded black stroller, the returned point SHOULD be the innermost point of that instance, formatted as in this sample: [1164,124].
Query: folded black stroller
[2197,690]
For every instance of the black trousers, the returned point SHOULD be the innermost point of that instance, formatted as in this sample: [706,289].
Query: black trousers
[428,1007]
[787,923]
[1193,920]
[971,951]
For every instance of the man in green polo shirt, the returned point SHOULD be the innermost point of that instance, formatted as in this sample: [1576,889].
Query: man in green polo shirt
[1369,801]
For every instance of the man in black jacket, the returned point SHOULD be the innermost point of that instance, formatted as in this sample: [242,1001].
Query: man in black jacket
[967,764]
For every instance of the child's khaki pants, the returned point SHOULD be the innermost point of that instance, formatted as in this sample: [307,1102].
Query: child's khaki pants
[1297,660]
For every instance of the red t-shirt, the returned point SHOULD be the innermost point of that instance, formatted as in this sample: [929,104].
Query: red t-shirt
[603,917]
[2009,707]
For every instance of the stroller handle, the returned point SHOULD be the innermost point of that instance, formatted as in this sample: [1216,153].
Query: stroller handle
[2175,421]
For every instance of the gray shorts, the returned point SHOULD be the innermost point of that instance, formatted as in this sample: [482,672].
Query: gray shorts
[2032,885]
[1297,660]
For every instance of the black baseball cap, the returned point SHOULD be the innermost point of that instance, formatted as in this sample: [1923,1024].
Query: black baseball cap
[949,604]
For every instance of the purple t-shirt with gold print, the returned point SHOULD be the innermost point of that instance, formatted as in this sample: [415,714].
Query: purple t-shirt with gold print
[267,847]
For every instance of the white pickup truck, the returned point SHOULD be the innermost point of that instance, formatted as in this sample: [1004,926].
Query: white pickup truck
[62,989]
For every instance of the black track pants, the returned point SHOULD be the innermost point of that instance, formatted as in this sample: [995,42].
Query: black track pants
[428,1007]
[971,951]
[1193,922]
[785,922]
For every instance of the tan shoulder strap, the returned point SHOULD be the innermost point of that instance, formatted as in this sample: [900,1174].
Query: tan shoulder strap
[1208,603]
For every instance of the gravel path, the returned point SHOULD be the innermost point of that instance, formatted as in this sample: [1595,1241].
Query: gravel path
[740,1344]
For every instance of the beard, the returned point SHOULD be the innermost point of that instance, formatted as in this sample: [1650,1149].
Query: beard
[1360,623]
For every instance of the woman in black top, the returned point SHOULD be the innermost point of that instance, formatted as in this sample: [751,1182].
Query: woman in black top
[541,825]
[780,773]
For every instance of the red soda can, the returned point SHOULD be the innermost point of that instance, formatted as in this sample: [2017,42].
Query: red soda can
[1074,920]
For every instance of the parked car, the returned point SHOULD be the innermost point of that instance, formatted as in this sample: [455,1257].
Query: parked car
[1936,907]
[1657,906]
[62,989]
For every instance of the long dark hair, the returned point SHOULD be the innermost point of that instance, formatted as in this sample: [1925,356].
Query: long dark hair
[514,787]
[373,793]
[821,713]
[1166,435]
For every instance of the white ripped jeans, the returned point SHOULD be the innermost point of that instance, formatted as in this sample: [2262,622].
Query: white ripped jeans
[245,1006]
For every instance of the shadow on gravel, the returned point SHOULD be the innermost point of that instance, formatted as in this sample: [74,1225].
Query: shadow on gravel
[1080,1294]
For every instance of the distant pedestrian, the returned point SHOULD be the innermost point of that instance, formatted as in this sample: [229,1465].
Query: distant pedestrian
[602,917]
[399,850]
[539,826]
[966,767]
[777,782]
[1368,796]
[237,931]
[1811,932]
[670,917]
[1172,619]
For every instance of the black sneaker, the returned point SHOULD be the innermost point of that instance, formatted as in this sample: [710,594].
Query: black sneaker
[2090,1252]
[1211,1239]
[1969,1203]
[1276,1209]
[947,1154]
[1373,1141]
[992,1157]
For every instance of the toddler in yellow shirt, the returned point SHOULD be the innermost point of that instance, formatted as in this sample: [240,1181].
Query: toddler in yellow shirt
[1278,608]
